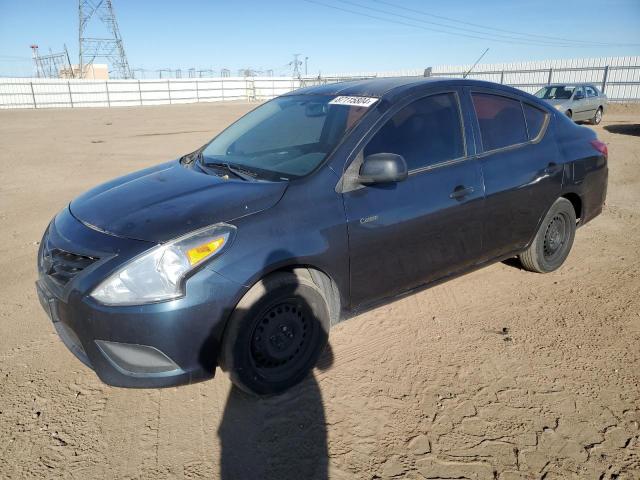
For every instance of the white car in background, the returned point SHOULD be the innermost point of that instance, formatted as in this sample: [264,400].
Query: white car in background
[578,101]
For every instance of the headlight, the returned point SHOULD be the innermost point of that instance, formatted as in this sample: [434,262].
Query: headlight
[559,106]
[158,274]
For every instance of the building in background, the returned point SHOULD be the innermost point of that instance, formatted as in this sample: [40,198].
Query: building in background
[91,71]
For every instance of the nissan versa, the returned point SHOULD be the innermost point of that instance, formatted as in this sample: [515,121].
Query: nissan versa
[323,201]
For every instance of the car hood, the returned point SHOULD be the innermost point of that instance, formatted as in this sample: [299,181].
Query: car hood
[169,200]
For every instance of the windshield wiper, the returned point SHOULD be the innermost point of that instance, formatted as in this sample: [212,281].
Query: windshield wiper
[247,175]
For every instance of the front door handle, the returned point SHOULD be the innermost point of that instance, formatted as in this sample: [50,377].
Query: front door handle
[460,192]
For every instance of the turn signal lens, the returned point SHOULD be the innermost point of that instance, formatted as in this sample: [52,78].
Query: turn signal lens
[199,253]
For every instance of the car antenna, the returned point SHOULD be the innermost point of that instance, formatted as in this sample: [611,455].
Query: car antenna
[474,65]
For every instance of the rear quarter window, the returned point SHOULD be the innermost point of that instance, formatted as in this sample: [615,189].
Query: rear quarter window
[535,118]
[501,121]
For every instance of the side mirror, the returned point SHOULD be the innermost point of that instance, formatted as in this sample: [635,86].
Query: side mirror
[383,168]
[579,96]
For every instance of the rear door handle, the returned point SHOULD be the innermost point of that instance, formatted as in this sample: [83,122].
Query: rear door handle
[461,191]
[552,168]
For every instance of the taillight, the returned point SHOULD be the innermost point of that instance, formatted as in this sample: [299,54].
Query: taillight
[600,146]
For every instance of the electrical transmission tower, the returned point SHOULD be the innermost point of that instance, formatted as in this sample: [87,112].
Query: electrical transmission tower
[54,65]
[108,46]
[295,64]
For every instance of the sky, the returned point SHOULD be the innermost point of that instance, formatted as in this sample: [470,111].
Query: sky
[264,34]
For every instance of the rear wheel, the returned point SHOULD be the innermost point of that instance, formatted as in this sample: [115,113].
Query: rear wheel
[276,333]
[554,239]
[597,117]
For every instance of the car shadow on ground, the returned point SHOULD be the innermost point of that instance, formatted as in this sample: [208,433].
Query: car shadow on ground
[513,262]
[630,129]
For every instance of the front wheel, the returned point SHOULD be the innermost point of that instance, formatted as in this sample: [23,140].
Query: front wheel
[569,114]
[276,333]
[554,239]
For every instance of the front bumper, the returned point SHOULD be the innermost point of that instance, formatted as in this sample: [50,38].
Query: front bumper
[155,345]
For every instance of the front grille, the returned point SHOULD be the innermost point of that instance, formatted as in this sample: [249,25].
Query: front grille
[62,266]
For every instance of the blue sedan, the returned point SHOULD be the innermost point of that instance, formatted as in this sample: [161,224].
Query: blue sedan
[321,202]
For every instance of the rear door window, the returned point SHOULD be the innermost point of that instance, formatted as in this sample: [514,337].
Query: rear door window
[425,132]
[535,119]
[501,121]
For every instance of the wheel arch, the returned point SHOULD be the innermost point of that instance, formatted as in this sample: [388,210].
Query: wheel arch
[335,295]
[576,201]
[322,279]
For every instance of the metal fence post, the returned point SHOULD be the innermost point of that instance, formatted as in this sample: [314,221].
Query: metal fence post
[222,88]
[106,86]
[549,78]
[169,90]
[604,78]
[197,91]
[70,96]
[501,77]
[140,92]
[33,95]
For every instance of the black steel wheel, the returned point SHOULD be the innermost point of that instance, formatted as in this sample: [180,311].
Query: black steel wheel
[553,241]
[276,333]
[569,114]
[555,236]
[283,338]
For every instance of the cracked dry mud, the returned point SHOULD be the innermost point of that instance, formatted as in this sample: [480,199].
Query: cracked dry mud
[498,374]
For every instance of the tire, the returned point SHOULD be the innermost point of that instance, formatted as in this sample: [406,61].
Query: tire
[553,241]
[276,333]
[569,114]
[597,117]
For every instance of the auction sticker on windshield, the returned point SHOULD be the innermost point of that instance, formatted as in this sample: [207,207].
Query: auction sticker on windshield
[353,101]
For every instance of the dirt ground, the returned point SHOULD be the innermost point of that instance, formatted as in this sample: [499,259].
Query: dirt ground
[498,374]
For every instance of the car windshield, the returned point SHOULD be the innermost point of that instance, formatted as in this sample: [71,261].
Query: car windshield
[287,137]
[556,92]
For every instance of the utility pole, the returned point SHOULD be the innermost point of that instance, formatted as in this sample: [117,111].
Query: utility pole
[35,56]
[306,60]
[108,48]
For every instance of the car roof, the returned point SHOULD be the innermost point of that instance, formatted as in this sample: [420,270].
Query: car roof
[579,84]
[393,87]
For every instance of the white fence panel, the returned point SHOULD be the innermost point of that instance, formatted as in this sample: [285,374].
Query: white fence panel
[620,77]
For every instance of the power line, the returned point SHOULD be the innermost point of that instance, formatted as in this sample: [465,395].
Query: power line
[464,29]
[484,36]
[400,22]
[522,34]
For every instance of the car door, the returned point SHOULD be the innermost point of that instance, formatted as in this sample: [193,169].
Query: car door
[592,100]
[520,166]
[580,104]
[405,234]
